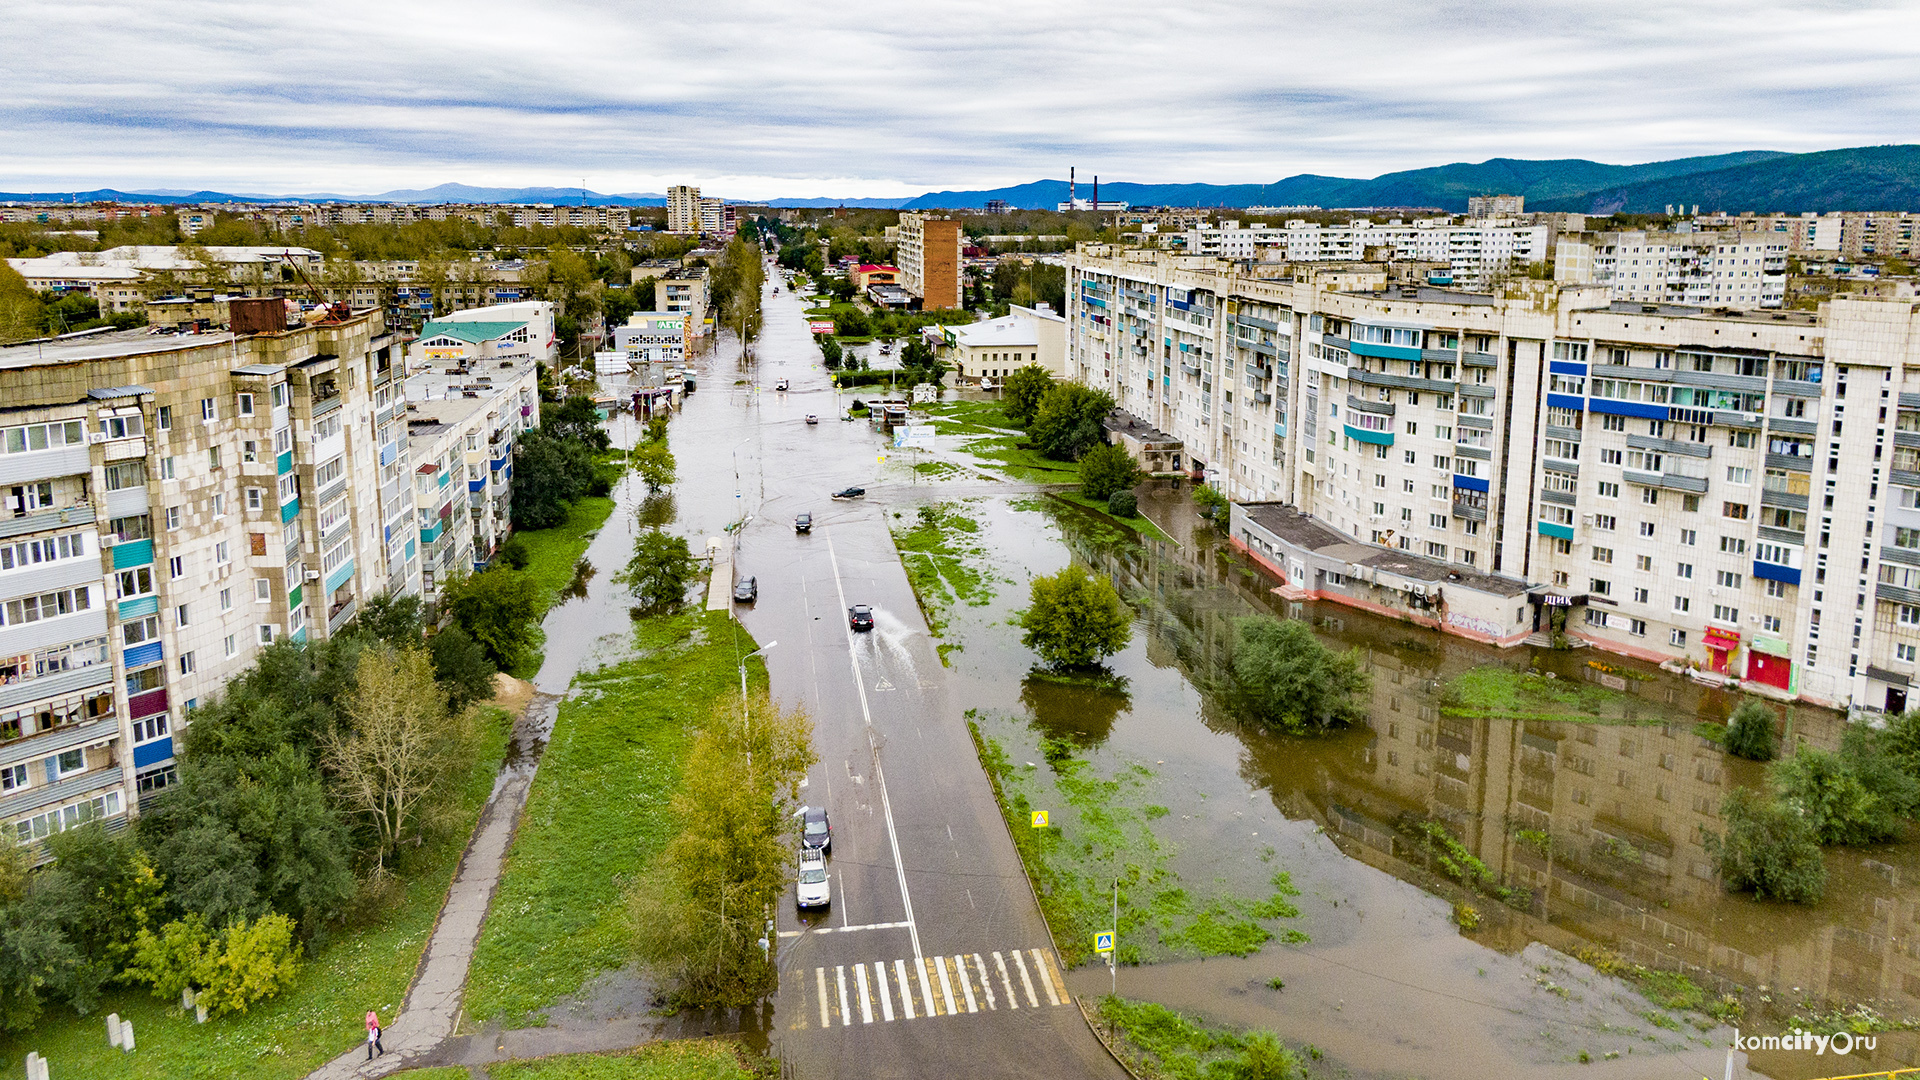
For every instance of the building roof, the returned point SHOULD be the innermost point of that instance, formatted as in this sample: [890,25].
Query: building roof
[1007,330]
[867,268]
[473,332]
[1305,531]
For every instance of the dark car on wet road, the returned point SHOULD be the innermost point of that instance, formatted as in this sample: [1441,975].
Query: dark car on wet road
[747,591]
[803,523]
[860,617]
[816,832]
[850,493]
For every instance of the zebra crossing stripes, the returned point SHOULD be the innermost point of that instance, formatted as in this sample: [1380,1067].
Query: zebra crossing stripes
[932,986]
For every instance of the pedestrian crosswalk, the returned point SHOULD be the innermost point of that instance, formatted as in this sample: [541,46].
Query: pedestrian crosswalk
[881,991]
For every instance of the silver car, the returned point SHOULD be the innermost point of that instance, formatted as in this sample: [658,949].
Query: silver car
[811,890]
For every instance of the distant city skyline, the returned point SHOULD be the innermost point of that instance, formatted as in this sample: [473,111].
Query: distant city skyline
[767,101]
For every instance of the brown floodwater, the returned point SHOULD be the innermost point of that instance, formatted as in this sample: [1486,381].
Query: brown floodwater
[1389,985]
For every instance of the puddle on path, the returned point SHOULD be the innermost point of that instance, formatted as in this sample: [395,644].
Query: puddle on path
[1624,799]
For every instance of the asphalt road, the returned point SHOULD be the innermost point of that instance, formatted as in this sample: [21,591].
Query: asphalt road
[933,956]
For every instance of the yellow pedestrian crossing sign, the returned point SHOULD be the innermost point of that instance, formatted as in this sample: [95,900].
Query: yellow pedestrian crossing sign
[1039,819]
[1103,942]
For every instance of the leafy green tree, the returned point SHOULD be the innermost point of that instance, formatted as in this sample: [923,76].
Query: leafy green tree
[577,419]
[462,667]
[661,569]
[830,352]
[1074,619]
[657,428]
[249,962]
[702,917]
[1067,421]
[618,303]
[398,759]
[395,619]
[1107,469]
[1211,504]
[1022,392]
[1292,681]
[1770,848]
[548,475]
[514,553]
[655,464]
[103,890]
[500,609]
[1750,732]
[1829,791]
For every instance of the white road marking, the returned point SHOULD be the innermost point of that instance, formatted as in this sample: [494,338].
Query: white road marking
[986,984]
[842,929]
[946,984]
[966,984]
[926,988]
[1012,1001]
[906,991]
[825,1020]
[1046,979]
[866,1006]
[880,985]
[1026,982]
[879,776]
[846,1016]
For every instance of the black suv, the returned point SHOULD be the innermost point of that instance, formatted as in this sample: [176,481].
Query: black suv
[803,523]
[860,617]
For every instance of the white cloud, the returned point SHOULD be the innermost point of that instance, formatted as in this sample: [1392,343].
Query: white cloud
[759,99]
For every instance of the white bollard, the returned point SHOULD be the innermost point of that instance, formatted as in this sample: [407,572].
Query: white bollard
[113,1029]
[36,1067]
[126,1036]
[199,1013]
[186,998]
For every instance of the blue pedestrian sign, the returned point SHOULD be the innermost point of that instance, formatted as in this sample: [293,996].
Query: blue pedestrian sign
[1103,942]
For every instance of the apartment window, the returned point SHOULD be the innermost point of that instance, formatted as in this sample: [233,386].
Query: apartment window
[1682,604]
[1604,522]
[1610,457]
[266,633]
[1690,503]
[1776,589]
[186,663]
[1436,551]
[208,411]
[135,582]
[230,646]
[1643,563]
[122,475]
[1903,652]
[249,452]
[213,457]
[256,498]
[1599,587]
[1683,570]
[1380,480]
[1677,638]
[1442,462]
[1909,615]
[1688,537]
[1637,627]
[1770,623]
[1650,496]
[30,609]
[140,631]
[1412,457]
[1639,596]
[222,553]
[1646,528]
[1734,510]
[246,404]
[181,616]
[218,502]
[1613,423]
[1437,521]
[1726,614]
[280,395]
[168,469]
[1727,579]
[226,599]
[262,590]
[176,567]
[1562,547]
[150,728]
[1733,545]
[1559,577]
[1739,475]
[1602,555]
[163,417]
[1606,489]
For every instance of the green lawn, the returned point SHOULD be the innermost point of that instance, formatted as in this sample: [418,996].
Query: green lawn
[1139,523]
[686,1059]
[289,1036]
[1502,693]
[598,814]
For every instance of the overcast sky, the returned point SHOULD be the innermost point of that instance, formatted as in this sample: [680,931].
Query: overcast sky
[859,99]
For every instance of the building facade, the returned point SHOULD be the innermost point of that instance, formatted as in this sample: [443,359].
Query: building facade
[1734,491]
[929,257]
[1703,269]
[1475,254]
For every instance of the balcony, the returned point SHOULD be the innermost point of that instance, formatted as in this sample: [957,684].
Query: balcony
[339,614]
[1696,485]
[1470,511]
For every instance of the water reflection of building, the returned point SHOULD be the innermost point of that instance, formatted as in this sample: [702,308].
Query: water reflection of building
[1606,824]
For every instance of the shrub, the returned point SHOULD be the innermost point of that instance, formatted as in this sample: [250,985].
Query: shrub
[1829,792]
[1123,504]
[1770,848]
[1292,680]
[1067,421]
[1075,619]
[1209,502]
[1750,732]
[233,970]
[500,609]
[1106,469]
[515,553]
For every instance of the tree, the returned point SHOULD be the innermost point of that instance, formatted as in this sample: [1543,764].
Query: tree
[1074,619]
[394,619]
[703,914]
[1021,394]
[576,418]
[500,609]
[830,353]
[548,475]
[1290,680]
[1750,732]
[1208,500]
[401,754]
[234,969]
[661,569]
[1107,469]
[1068,420]
[462,668]
[1825,788]
[655,464]
[1770,847]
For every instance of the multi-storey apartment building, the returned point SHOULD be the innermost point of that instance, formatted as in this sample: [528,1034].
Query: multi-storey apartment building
[1735,490]
[1706,269]
[683,209]
[462,429]
[1476,252]
[175,503]
[929,258]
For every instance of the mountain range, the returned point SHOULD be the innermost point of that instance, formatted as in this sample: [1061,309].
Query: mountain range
[1861,178]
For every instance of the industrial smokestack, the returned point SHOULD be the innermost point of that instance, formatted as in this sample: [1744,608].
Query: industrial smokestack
[1070,187]
[1096,193]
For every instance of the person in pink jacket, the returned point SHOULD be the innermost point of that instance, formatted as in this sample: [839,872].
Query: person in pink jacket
[373,1035]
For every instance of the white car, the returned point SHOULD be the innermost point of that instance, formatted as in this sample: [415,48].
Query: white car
[811,889]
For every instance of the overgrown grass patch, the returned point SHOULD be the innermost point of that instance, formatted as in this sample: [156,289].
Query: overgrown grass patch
[683,1059]
[1157,1042]
[1099,830]
[320,1017]
[598,813]
[1139,523]
[1498,692]
[944,561]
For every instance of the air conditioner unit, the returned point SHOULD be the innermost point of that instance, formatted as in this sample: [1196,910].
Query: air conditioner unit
[107,540]
[312,574]
[1417,589]
[96,437]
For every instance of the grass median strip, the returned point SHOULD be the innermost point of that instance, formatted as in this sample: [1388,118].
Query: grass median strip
[598,814]
[359,968]
[943,560]
[684,1059]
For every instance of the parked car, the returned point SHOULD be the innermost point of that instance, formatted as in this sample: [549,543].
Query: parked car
[747,591]
[811,890]
[850,493]
[860,617]
[803,523]
[816,832]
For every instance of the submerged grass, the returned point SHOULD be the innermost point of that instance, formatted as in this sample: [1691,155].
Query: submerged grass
[1156,1042]
[1498,692]
[943,560]
[1100,830]
[682,1059]
[319,1017]
[598,814]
